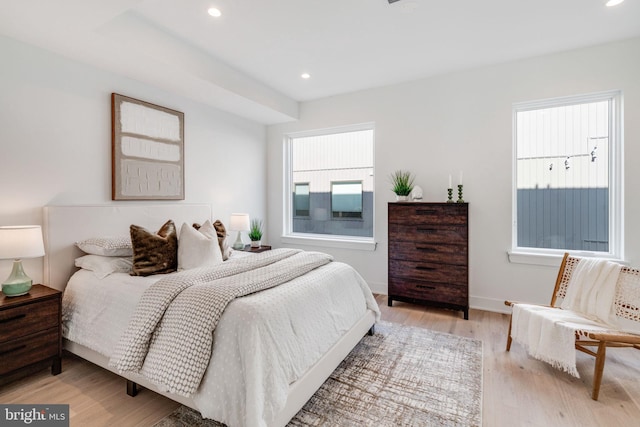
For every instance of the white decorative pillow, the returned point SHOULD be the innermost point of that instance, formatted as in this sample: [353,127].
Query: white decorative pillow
[102,266]
[107,246]
[198,248]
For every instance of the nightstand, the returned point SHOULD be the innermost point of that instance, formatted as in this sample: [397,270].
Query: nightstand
[31,330]
[262,248]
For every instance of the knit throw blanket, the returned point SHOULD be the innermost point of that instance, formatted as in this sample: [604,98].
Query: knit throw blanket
[170,336]
[592,289]
[548,333]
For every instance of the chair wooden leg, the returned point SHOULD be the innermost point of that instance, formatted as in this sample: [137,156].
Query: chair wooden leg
[597,373]
[509,335]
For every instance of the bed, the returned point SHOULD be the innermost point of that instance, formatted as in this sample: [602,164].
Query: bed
[238,387]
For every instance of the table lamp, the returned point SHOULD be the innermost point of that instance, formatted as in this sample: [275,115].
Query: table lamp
[239,222]
[18,242]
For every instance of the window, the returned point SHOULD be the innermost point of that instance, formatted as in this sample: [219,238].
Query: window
[301,200]
[568,175]
[346,199]
[329,185]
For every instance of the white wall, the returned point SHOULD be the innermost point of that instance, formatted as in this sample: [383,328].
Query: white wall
[55,142]
[463,121]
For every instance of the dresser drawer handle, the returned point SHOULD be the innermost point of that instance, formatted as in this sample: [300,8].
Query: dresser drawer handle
[425,268]
[11,319]
[427,230]
[425,287]
[20,347]
[426,211]
[426,249]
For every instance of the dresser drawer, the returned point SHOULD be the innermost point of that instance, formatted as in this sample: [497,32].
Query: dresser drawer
[442,214]
[28,318]
[428,234]
[29,349]
[435,292]
[418,270]
[428,252]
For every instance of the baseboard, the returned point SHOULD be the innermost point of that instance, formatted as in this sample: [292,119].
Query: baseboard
[489,304]
[378,288]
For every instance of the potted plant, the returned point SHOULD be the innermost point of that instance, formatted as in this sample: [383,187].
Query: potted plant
[255,233]
[402,184]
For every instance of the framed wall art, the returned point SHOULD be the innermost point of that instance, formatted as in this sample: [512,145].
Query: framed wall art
[147,151]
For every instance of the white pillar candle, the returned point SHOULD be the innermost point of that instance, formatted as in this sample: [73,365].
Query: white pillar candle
[460,177]
[449,181]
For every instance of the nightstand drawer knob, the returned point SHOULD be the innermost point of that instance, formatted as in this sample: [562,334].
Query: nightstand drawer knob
[11,319]
[20,347]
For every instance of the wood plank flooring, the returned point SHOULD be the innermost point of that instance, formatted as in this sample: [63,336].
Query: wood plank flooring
[518,390]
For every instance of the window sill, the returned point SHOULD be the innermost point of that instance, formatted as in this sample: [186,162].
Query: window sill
[363,244]
[551,259]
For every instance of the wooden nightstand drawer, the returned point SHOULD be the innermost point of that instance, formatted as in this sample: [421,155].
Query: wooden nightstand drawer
[29,349]
[29,318]
[30,332]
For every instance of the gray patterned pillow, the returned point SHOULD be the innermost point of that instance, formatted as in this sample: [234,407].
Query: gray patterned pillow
[154,253]
[107,246]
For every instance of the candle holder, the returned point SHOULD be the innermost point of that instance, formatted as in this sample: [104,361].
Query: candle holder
[450,195]
[460,200]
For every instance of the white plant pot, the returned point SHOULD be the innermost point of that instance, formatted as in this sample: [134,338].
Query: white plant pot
[255,243]
[401,198]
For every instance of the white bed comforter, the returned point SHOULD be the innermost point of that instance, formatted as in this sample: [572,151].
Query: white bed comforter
[263,342]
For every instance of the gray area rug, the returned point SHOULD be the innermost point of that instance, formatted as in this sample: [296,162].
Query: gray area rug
[400,376]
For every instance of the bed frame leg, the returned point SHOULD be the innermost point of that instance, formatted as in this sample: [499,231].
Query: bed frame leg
[132,388]
[372,330]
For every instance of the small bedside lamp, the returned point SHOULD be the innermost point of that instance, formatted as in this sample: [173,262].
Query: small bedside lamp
[17,242]
[239,222]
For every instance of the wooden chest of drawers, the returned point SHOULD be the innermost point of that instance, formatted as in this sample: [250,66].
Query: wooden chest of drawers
[429,254]
[30,330]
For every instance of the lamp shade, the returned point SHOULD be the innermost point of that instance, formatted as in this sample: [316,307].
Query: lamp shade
[21,241]
[239,222]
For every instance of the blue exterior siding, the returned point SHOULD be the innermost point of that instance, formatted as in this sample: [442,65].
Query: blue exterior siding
[572,218]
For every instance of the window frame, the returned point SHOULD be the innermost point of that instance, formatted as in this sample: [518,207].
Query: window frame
[552,257]
[324,240]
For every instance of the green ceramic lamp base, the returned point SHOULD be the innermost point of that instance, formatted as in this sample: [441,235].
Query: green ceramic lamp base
[238,244]
[18,283]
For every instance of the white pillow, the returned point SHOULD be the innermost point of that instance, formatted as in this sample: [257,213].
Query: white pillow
[107,246]
[102,266]
[198,248]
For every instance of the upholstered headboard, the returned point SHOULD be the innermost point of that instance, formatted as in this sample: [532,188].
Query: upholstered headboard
[65,225]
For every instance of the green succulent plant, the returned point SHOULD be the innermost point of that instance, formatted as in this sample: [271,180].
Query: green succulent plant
[402,182]
[255,230]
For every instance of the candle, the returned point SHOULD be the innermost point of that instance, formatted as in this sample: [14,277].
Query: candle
[449,181]
[460,177]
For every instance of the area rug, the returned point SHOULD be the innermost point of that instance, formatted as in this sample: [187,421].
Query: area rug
[400,376]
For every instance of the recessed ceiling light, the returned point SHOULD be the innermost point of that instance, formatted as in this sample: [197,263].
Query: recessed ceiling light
[214,12]
[613,2]
[305,75]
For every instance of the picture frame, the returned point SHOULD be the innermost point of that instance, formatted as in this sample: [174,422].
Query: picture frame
[147,150]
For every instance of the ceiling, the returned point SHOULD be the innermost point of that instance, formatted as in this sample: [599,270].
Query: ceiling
[249,60]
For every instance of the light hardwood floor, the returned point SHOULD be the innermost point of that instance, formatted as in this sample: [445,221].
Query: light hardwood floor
[517,390]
